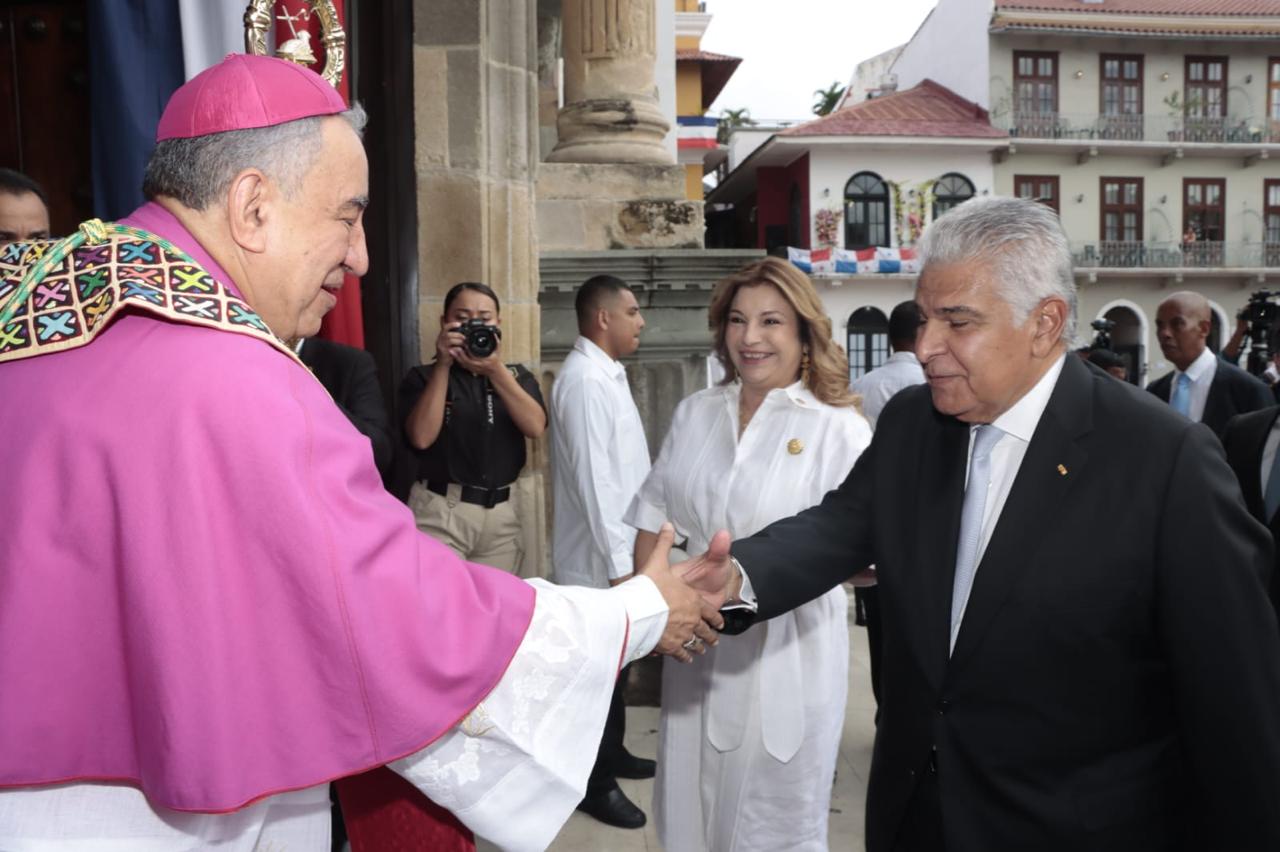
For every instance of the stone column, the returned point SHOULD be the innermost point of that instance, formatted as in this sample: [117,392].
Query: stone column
[548,41]
[475,90]
[611,112]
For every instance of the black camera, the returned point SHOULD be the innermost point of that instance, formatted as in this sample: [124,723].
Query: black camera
[1261,312]
[1102,333]
[479,338]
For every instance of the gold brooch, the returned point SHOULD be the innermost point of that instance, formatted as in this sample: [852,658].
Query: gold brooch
[795,446]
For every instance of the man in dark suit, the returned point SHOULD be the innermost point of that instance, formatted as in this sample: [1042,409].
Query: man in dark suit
[1078,650]
[351,377]
[1251,441]
[1203,387]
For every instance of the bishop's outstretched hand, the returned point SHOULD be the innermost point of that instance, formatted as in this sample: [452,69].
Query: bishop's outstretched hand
[692,622]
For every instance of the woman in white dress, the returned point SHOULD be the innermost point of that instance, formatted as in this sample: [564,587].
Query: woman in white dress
[751,730]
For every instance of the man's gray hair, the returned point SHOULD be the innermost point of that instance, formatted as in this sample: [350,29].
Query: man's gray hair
[1023,244]
[197,171]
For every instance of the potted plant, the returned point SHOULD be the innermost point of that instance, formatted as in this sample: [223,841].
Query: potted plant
[1179,108]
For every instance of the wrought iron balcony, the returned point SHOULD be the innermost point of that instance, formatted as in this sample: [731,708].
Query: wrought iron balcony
[1202,254]
[1138,128]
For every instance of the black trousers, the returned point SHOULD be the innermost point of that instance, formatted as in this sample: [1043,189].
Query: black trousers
[602,778]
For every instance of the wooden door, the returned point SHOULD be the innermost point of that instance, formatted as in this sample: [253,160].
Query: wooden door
[44,86]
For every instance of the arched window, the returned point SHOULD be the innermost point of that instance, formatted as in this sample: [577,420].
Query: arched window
[866,211]
[868,341]
[951,190]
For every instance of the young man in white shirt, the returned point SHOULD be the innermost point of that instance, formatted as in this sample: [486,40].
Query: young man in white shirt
[599,458]
[902,370]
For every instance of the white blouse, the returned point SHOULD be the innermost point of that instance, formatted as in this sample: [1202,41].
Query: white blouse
[794,450]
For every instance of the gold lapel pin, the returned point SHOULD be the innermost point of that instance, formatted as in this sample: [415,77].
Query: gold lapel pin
[1062,470]
[795,446]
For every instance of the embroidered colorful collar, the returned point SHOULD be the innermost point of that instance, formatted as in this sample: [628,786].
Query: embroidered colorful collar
[60,294]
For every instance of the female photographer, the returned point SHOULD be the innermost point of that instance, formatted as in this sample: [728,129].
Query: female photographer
[469,414]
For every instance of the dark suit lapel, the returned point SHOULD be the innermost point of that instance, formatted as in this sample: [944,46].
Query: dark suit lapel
[941,498]
[1161,386]
[1032,505]
[1249,465]
[1217,405]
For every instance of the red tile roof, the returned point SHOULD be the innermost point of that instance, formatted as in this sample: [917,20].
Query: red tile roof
[1149,7]
[1253,32]
[695,54]
[716,70]
[928,109]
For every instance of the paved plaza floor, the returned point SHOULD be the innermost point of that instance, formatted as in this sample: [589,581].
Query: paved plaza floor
[584,834]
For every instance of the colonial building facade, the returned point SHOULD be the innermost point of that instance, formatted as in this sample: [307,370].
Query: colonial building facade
[1151,126]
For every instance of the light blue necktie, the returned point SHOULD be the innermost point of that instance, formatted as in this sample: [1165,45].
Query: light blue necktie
[1181,397]
[985,438]
[1272,497]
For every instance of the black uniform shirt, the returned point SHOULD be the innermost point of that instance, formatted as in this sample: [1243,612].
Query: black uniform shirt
[473,448]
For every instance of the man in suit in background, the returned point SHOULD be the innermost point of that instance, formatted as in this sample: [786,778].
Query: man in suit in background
[1078,651]
[350,376]
[1251,441]
[1203,387]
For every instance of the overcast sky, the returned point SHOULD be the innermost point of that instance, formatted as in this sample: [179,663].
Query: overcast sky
[789,48]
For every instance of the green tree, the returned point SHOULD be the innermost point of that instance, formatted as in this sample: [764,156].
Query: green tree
[827,98]
[731,119]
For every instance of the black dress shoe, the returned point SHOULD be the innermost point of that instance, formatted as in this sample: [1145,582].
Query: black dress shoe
[634,767]
[613,808]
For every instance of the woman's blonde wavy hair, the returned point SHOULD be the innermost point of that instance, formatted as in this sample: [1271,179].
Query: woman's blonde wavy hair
[828,378]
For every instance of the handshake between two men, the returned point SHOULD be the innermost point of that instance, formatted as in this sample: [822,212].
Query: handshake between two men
[694,591]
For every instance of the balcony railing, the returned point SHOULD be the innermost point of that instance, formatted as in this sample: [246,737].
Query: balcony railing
[1138,128]
[1203,254]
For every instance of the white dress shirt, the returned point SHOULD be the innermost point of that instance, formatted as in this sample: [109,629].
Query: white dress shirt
[512,771]
[1200,372]
[877,387]
[1018,424]
[599,457]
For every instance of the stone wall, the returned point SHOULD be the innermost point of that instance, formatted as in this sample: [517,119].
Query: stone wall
[596,206]
[476,122]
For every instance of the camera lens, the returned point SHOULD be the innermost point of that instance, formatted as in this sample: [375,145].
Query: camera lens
[481,340]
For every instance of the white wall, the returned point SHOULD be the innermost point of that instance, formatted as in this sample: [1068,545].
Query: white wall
[842,296]
[743,141]
[1161,221]
[664,72]
[1081,95]
[868,76]
[831,166]
[950,48]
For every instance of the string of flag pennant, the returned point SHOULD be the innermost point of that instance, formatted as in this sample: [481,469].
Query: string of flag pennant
[868,261]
